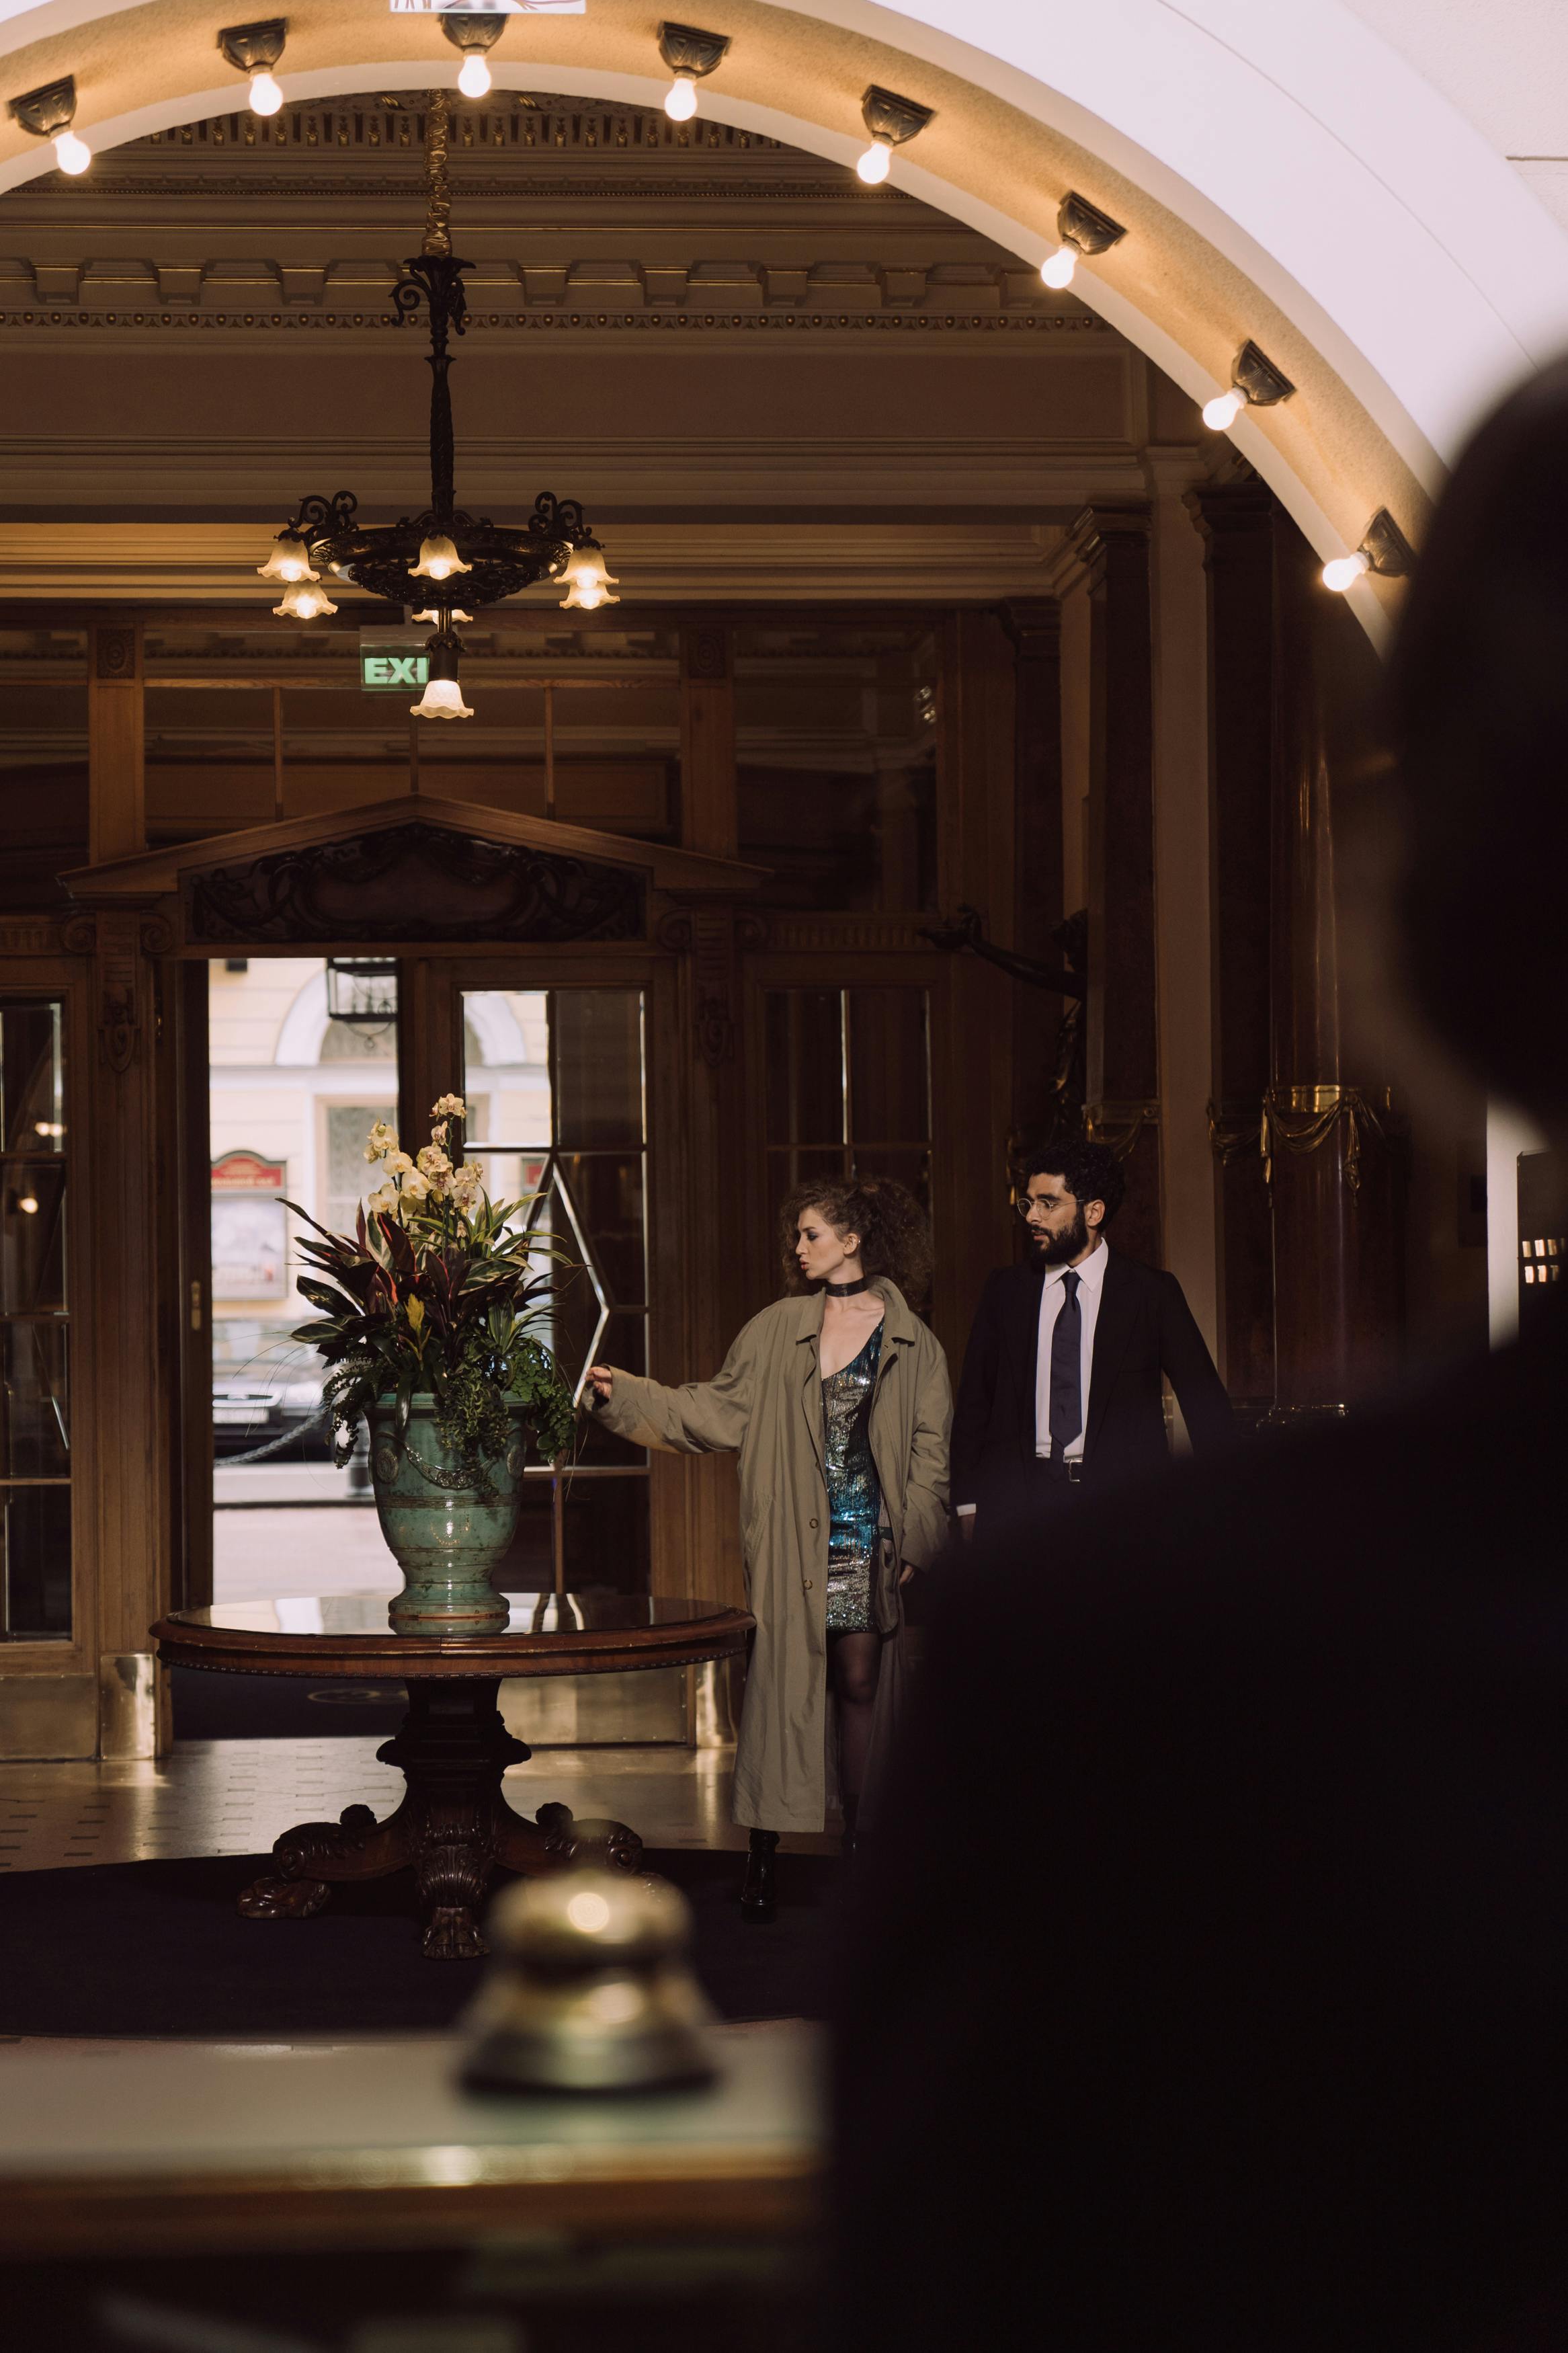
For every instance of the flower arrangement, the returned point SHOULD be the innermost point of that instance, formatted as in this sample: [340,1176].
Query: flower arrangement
[435,1294]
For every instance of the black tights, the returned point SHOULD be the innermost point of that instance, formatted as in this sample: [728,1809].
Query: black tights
[856,1660]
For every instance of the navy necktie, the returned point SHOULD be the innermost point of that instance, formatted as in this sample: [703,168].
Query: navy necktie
[1067,1369]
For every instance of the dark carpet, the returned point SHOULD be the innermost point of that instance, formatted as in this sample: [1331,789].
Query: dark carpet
[157,1948]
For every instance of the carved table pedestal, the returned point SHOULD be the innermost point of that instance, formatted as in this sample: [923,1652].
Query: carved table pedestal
[453,1827]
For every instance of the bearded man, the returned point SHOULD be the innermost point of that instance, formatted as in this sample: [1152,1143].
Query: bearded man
[1062,1377]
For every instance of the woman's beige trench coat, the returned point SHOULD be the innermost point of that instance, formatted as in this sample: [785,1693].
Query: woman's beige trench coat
[766,1403]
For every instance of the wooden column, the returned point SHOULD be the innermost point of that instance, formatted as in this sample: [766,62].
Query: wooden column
[129,1358]
[1034,626]
[971,1043]
[1336,1173]
[709,818]
[712,1207]
[1236,522]
[117,792]
[1123,1058]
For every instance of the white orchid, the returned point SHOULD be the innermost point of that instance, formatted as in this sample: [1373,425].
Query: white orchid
[415,1188]
[380,1140]
[434,1161]
[467,1184]
[439,1132]
[384,1200]
[398,1164]
[449,1107]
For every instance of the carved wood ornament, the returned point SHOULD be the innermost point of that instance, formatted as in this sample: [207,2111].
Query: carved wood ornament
[415,882]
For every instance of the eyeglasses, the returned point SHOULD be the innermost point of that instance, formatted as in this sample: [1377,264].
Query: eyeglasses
[1046,1201]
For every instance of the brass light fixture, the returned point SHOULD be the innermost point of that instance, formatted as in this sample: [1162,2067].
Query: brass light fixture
[48,112]
[1255,382]
[1083,230]
[475,33]
[689,54]
[891,119]
[255,49]
[450,563]
[1383,549]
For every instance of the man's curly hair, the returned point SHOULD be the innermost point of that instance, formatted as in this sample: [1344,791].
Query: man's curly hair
[1091,1172]
[895,1235]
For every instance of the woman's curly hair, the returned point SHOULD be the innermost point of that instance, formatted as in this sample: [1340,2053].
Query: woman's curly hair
[895,1235]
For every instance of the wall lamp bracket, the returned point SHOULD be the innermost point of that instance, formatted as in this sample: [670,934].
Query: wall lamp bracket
[890,119]
[1387,549]
[47,110]
[254,48]
[1083,224]
[471,29]
[1255,375]
[687,49]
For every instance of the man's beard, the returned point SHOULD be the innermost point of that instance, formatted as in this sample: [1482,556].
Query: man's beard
[1060,1250]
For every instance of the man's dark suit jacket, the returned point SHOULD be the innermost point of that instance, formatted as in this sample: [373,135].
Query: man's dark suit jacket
[1144,1329]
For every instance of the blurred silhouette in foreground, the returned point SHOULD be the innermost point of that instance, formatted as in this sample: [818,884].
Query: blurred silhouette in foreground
[1210,1986]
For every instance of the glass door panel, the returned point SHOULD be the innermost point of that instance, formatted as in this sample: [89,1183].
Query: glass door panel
[555,1084]
[35,1406]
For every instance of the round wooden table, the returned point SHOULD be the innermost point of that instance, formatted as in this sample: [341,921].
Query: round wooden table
[454,1826]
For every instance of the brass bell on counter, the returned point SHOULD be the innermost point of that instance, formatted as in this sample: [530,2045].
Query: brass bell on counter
[589,1989]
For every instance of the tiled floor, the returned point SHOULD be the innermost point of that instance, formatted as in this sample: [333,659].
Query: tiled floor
[234,1796]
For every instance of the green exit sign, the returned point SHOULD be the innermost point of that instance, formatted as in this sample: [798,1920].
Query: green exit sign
[390,670]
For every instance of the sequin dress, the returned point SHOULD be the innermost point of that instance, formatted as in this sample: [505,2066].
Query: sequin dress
[854,1498]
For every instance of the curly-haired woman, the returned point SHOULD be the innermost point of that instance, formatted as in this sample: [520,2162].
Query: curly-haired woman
[837,1400]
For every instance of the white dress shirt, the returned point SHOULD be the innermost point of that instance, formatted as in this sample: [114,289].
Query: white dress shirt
[1090,1273]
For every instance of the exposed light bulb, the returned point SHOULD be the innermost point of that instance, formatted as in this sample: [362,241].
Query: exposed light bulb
[1346,570]
[680,99]
[29,1204]
[265,95]
[289,560]
[71,154]
[442,699]
[1223,410]
[301,603]
[475,79]
[874,163]
[1057,269]
[439,559]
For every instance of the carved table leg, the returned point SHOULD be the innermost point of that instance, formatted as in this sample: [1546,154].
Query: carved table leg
[453,1828]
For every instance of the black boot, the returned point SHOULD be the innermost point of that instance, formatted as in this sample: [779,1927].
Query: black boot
[758,1895]
[851,1843]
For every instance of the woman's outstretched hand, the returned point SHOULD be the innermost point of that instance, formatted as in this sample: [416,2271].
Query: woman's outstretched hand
[602,1378]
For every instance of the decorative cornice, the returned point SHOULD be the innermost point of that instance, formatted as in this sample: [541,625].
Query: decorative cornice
[800,323]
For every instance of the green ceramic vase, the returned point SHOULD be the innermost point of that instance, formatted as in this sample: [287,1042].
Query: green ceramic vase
[445,1537]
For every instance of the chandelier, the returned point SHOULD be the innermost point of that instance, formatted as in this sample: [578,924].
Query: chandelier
[447,559]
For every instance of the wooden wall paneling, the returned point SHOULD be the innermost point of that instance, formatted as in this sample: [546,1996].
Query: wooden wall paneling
[117,791]
[1035,628]
[129,1381]
[1123,1059]
[190,1196]
[972,1005]
[1337,1169]
[1236,523]
[708,812]
[686,1539]
[429,1040]
[48,1691]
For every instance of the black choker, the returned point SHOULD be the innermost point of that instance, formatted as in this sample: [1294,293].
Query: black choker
[847,1289]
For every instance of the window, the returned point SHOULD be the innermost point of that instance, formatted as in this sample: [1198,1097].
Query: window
[848,1087]
[555,1081]
[35,1411]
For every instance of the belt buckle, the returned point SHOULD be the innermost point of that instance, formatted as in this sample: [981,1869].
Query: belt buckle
[1074,1472]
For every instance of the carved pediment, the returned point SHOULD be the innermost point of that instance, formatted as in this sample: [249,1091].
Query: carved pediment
[414,882]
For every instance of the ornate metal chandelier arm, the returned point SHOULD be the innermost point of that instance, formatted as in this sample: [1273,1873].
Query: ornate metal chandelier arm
[434,277]
[321,519]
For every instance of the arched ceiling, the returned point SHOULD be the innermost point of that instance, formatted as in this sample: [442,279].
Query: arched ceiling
[1282,175]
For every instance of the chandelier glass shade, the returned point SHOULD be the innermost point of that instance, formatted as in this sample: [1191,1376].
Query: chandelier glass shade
[442,553]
